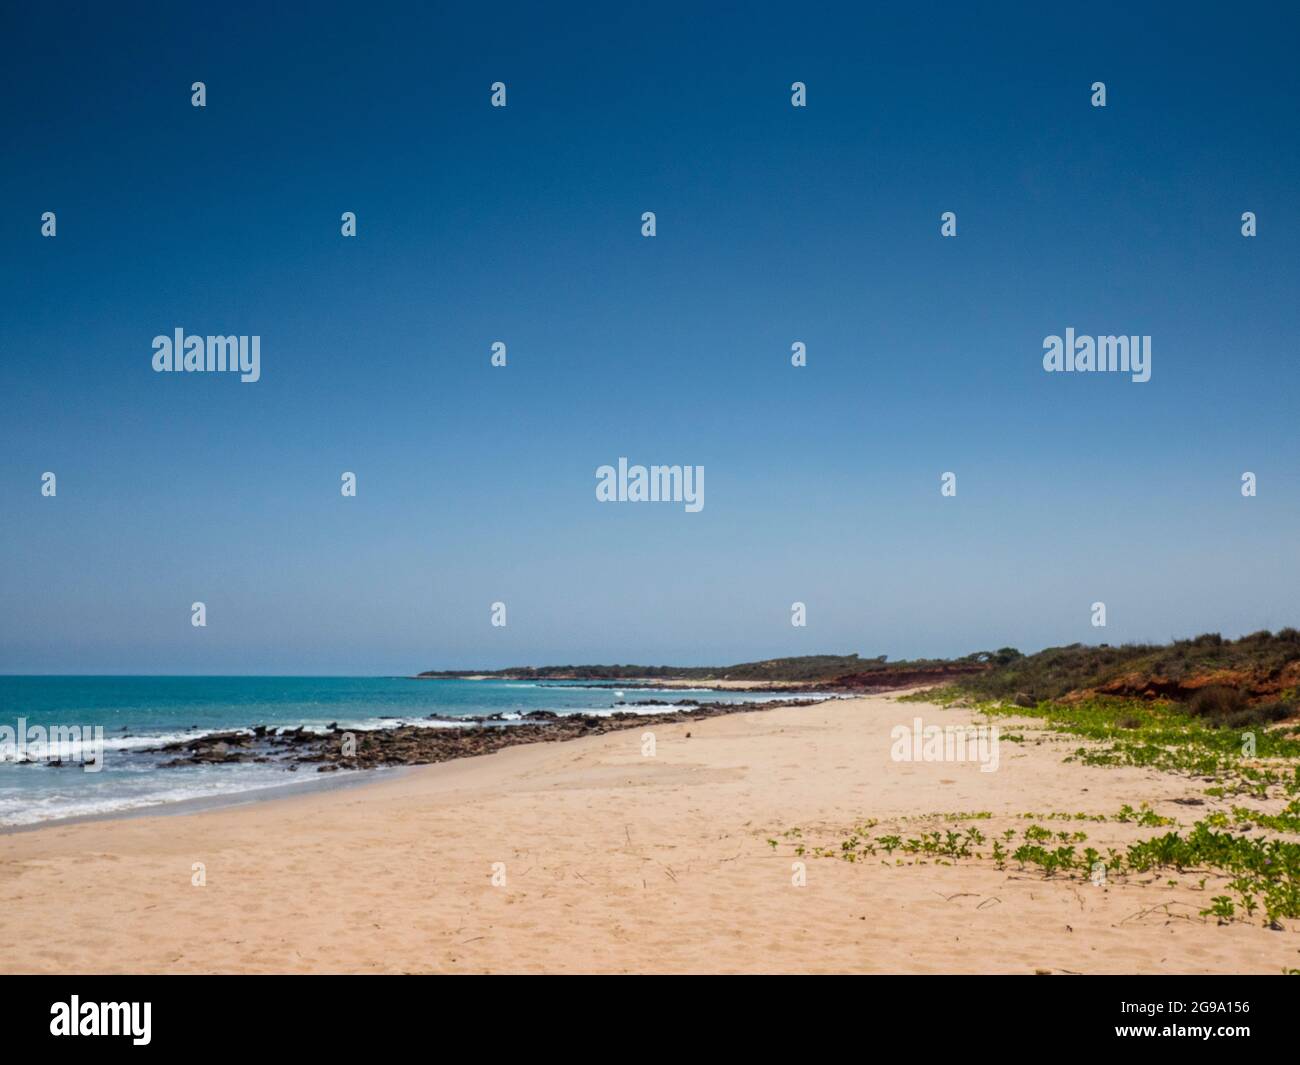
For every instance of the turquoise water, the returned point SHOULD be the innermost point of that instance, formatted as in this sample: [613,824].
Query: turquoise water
[140,712]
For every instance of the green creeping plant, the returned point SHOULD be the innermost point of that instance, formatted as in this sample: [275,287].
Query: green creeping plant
[1261,876]
[1222,909]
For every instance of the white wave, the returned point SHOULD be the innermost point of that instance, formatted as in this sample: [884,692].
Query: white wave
[24,806]
[73,750]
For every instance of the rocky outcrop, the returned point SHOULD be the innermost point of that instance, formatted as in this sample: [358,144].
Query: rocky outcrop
[1259,686]
[422,744]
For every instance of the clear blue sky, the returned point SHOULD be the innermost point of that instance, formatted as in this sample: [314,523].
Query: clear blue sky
[522,224]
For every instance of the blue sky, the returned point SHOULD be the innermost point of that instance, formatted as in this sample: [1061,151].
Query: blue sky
[522,224]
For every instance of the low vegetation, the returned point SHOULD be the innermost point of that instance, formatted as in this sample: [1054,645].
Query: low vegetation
[1263,666]
[1253,877]
[1251,681]
[1221,711]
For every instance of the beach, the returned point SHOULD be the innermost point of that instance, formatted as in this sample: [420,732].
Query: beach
[593,855]
[233,735]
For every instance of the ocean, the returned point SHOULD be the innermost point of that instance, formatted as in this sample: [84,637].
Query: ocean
[142,712]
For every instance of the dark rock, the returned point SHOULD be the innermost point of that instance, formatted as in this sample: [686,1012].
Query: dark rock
[416,745]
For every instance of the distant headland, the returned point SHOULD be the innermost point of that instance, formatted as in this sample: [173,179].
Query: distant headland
[1260,669]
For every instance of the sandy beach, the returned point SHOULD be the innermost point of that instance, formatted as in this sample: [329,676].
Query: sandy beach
[615,861]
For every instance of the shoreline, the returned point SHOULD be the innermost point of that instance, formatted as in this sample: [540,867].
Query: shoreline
[224,800]
[634,683]
[592,856]
[410,744]
[401,746]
